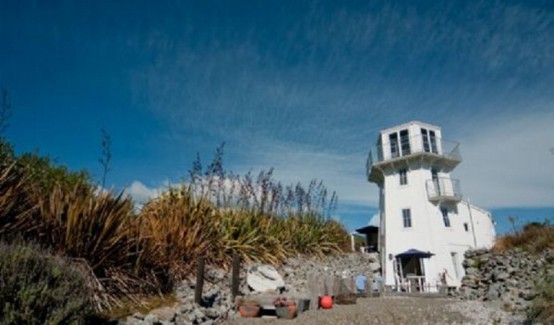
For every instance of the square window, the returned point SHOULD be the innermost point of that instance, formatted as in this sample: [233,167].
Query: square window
[407,218]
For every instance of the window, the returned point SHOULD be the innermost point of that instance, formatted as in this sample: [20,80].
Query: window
[425,139]
[403,173]
[394,150]
[466,227]
[445,217]
[433,142]
[405,142]
[407,218]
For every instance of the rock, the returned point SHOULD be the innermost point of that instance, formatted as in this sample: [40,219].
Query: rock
[190,317]
[215,275]
[493,292]
[184,308]
[484,258]
[198,313]
[527,294]
[164,314]
[151,319]
[500,275]
[467,263]
[132,320]
[212,313]
[375,266]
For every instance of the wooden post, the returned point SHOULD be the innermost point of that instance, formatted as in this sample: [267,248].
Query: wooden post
[314,286]
[199,280]
[235,277]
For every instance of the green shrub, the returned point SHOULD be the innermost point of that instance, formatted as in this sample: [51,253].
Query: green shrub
[542,308]
[37,288]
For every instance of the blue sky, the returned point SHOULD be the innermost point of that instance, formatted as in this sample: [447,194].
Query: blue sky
[302,86]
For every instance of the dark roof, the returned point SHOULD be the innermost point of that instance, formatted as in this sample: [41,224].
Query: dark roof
[368,230]
[415,253]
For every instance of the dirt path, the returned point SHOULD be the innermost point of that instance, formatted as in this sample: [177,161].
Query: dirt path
[397,310]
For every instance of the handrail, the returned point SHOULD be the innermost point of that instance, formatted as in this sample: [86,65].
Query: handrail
[443,187]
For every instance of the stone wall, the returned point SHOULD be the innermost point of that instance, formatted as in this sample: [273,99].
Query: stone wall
[295,272]
[506,278]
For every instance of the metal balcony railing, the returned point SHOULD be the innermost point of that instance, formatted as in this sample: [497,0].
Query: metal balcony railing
[411,146]
[443,188]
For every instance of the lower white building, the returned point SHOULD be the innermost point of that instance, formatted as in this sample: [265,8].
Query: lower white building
[425,224]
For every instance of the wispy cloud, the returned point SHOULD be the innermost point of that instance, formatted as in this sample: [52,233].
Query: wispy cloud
[309,95]
[508,162]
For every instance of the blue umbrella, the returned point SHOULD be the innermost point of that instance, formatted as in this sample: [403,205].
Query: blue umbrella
[415,253]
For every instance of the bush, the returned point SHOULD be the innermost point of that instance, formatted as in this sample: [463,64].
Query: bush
[534,238]
[37,288]
[542,308]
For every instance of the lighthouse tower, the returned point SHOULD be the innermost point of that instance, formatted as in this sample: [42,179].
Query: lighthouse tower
[425,223]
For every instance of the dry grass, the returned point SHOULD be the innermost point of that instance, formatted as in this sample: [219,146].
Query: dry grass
[147,303]
[534,237]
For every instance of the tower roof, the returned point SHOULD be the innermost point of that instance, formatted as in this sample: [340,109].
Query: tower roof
[406,125]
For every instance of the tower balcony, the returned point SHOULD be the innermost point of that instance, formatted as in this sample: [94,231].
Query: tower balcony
[418,148]
[444,189]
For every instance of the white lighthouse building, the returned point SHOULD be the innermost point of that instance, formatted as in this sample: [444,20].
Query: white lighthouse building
[425,223]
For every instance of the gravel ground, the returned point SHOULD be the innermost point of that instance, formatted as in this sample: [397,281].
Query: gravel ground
[398,310]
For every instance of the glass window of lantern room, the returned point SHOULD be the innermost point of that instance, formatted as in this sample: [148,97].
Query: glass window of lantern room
[405,142]
[393,140]
[425,139]
[433,141]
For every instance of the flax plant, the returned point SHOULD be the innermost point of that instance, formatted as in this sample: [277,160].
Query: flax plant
[251,235]
[83,224]
[174,230]
[15,206]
